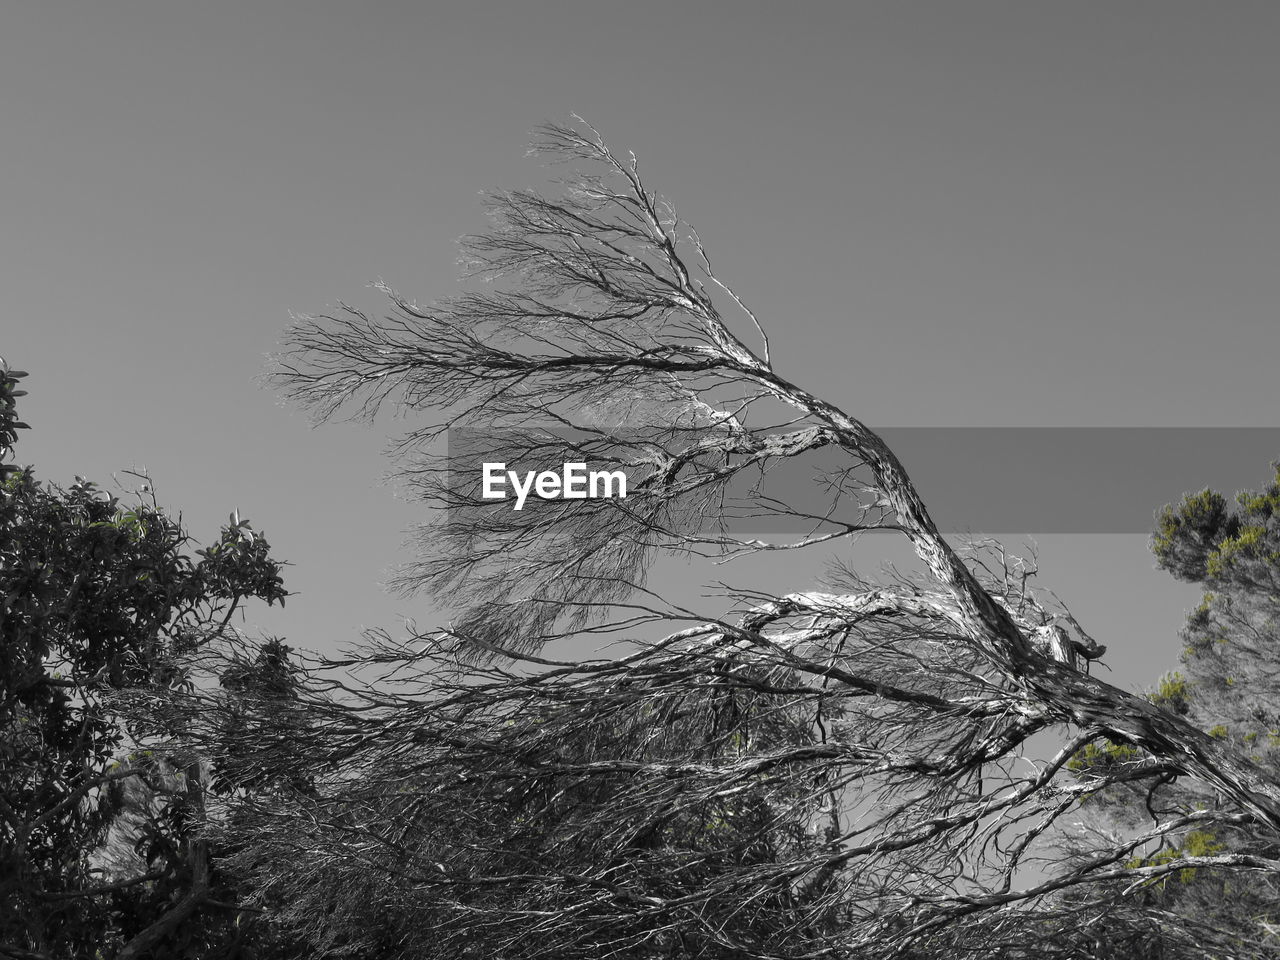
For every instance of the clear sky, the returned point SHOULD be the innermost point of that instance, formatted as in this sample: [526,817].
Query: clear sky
[949,214]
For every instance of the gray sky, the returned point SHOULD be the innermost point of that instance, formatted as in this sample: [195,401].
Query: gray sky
[950,214]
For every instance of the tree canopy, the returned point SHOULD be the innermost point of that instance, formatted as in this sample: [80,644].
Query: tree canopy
[102,816]
[1228,685]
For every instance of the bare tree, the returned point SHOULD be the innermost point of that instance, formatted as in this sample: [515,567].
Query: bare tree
[847,771]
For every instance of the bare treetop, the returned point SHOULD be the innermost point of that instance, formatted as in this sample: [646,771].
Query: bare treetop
[597,331]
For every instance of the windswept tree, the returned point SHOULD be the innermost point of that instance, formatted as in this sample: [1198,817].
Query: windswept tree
[862,769]
[103,852]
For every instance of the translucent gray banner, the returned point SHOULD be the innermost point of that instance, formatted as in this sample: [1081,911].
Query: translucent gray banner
[1075,479]
[1007,480]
